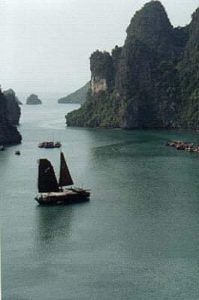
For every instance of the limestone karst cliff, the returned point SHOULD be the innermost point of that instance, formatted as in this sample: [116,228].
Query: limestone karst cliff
[13,108]
[8,132]
[189,75]
[152,81]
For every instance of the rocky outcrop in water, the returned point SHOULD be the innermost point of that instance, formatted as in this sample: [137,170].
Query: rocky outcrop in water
[13,108]
[78,96]
[150,82]
[33,100]
[8,132]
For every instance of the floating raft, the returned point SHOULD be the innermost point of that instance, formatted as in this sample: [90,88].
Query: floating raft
[186,146]
[49,145]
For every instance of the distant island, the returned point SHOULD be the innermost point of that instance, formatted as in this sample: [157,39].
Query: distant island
[33,100]
[9,118]
[150,82]
[78,96]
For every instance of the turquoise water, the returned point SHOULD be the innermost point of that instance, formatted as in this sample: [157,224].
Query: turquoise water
[136,239]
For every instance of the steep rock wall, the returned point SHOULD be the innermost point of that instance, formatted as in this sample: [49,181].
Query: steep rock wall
[152,81]
[8,132]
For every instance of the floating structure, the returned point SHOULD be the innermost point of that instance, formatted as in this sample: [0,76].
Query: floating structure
[180,145]
[49,145]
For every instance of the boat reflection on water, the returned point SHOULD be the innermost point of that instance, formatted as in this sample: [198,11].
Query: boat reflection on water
[52,224]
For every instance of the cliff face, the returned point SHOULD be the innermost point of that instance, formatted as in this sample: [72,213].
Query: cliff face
[189,75]
[8,132]
[152,81]
[13,108]
[101,65]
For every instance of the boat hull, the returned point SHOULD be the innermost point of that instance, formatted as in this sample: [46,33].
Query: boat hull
[69,196]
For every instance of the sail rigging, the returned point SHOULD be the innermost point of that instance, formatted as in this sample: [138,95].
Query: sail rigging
[47,181]
[51,192]
[65,178]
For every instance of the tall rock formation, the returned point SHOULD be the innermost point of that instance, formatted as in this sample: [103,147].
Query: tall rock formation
[8,132]
[189,75]
[144,84]
[13,108]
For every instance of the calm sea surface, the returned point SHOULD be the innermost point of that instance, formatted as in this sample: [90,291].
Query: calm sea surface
[137,238]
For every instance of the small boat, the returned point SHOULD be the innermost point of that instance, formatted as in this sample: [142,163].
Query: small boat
[52,192]
[49,145]
[17,152]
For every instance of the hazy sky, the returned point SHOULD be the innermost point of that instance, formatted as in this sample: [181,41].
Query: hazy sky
[46,44]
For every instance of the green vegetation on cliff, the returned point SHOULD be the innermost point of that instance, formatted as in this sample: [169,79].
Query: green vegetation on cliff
[98,110]
[152,81]
[189,75]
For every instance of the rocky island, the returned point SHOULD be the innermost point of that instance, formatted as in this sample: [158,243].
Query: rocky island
[150,82]
[9,117]
[33,100]
[78,96]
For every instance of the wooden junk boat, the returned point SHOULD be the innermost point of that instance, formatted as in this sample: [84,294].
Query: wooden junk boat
[52,192]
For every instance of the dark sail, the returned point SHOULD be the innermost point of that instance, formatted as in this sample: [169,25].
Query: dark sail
[47,181]
[64,177]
